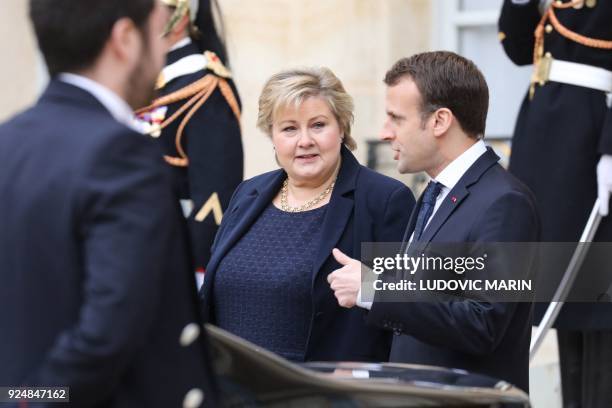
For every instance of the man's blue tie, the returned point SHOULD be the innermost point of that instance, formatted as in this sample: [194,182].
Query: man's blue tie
[427,206]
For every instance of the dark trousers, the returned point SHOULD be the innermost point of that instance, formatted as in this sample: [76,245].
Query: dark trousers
[586,368]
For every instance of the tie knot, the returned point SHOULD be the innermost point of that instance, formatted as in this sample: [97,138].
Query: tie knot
[431,192]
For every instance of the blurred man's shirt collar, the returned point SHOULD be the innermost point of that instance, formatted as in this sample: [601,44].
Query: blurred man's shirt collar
[181,43]
[115,105]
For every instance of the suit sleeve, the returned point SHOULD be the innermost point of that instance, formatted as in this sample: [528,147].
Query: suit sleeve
[517,23]
[469,326]
[214,148]
[124,232]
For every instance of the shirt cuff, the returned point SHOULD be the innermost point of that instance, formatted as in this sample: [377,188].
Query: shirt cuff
[363,305]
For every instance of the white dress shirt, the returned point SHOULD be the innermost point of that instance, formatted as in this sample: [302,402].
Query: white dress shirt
[448,177]
[180,43]
[117,107]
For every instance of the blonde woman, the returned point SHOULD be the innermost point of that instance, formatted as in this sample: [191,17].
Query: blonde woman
[266,280]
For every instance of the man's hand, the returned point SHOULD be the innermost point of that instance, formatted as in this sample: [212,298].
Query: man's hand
[346,281]
[604,183]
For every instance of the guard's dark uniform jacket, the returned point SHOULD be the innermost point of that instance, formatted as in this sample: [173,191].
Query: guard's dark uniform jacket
[202,143]
[564,126]
[562,129]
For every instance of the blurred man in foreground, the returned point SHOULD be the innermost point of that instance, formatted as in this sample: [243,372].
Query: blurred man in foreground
[97,293]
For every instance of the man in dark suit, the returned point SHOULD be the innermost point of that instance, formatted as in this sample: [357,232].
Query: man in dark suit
[97,293]
[201,144]
[436,112]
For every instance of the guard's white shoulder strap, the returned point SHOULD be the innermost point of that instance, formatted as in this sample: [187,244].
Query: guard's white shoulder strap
[185,66]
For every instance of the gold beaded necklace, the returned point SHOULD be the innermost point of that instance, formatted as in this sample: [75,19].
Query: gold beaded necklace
[285,206]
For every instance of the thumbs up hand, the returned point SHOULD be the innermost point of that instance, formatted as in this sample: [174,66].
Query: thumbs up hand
[346,281]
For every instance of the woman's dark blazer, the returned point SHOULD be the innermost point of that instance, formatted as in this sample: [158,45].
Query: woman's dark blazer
[364,207]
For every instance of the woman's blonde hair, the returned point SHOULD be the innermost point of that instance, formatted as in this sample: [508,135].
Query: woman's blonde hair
[293,86]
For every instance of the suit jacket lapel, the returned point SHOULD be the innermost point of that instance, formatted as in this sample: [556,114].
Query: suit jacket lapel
[248,208]
[339,211]
[451,202]
[461,190]
[63,92]
[411,224]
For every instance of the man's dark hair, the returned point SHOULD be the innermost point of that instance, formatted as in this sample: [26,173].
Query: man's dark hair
[72,33]
[447,80]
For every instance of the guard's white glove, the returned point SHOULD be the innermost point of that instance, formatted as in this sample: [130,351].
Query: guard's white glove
[604,183]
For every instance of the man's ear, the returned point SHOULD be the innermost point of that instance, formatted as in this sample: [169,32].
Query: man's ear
[181,27]
[125,40]
[442,120]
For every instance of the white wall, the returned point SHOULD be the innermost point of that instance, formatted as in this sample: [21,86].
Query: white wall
[19,67]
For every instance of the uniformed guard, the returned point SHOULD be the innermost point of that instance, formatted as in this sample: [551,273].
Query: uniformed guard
[197,120]
[562,149]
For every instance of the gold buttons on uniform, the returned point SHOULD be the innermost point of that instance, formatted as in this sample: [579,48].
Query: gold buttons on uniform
[194,398]
[189,334]
[548,28]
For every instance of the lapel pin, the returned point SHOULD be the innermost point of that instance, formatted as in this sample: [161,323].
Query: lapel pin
[454,199]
